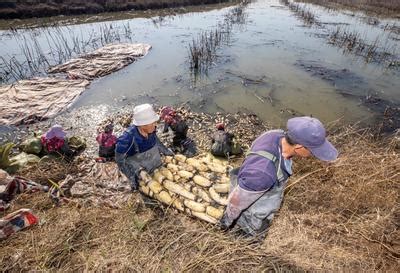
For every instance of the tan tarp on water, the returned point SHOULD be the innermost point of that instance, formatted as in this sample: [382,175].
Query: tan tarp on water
[38,98]
[102,61]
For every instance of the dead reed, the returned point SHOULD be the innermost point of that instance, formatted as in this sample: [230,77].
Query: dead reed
[302,12]
[203,49]
[352,41]
[335,217]
[41,48]
[381,7]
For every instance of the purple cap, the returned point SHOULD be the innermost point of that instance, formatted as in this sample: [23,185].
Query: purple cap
[55,131]
[310,133]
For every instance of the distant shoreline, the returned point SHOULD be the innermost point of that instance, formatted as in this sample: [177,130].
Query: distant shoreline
[14,9]
[379,7]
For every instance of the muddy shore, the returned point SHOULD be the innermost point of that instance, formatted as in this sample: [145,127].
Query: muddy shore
[35,8]
[380,7]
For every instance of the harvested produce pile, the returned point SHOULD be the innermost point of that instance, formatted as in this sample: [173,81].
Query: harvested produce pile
[197,186]
[245,126]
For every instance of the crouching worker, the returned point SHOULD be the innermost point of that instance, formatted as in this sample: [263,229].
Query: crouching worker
[257,187]
[138,149]
[223,144]
[180,141]
[55,142]
[107,141]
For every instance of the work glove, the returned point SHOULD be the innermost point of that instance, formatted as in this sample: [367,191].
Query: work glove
[134,185]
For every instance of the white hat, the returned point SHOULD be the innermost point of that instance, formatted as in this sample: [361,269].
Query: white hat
[144,114]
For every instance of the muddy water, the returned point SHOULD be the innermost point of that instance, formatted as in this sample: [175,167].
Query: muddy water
[273,65]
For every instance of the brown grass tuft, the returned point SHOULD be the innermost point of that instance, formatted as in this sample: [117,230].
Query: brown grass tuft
[341,216]
[382,7]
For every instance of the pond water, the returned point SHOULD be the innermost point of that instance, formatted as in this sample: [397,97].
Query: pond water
[273,65]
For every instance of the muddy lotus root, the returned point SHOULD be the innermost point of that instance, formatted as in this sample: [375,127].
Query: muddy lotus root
[197,186]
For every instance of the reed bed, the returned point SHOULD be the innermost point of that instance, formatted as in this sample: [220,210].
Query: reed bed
[45,47]
[352,41]
[302,12]
[380,7]
[202,50]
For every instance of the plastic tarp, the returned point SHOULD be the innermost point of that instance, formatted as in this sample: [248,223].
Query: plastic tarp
[102,61]
[31,100]
[98,184]
[39,98]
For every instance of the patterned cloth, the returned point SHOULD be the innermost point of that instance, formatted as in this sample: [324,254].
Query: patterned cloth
[16,221]
[107,143]
[106,139]
[16,186]
[53,144]
[169,116]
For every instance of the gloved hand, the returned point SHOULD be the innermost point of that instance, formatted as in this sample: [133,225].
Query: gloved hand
[225,223]
[134,185]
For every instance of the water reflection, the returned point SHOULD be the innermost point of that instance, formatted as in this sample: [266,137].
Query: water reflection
[256,71]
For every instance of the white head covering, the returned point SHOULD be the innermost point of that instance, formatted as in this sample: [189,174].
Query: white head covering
[144,114]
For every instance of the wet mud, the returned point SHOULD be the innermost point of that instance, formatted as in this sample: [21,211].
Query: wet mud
[353,86]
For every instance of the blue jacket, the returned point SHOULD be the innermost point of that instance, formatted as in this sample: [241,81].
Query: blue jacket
[132,142]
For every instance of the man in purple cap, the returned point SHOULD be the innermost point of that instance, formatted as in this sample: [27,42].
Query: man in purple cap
[257,187]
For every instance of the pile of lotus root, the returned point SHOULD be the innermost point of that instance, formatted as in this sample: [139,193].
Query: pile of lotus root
[197,186]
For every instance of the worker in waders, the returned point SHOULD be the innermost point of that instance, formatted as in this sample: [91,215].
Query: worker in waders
[181,143]
[257,186]
[138,148]
[223,143]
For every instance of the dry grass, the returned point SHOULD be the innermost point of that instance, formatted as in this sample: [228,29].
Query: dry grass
[44,8]
[55,47]
[383,7]
[55,170]
[135,238]
[342,216]
[351,41]
[302,12]
[203,50]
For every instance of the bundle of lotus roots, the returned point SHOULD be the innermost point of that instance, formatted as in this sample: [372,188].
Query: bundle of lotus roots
[196,186]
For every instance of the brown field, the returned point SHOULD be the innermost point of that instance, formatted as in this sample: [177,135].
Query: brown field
[337,217]
[383,7]
[43,8]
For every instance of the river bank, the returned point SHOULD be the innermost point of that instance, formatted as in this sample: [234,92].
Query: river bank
[29,9]
[377,7]
[335,216]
